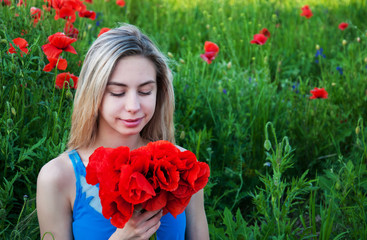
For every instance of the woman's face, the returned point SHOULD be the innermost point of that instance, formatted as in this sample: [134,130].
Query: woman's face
[129,100]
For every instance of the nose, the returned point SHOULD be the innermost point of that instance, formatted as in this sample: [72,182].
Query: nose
[132,103]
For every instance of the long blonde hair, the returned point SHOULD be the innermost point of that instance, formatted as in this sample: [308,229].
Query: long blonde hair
[98,66]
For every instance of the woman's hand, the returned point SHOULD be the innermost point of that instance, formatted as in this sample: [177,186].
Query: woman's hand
[142,225]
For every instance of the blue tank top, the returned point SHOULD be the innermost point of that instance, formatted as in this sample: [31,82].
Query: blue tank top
[88,221]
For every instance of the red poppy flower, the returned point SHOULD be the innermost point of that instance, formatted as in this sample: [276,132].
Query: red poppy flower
[53,62]
[265,32]
[157,176]
[343,26]
[87,14]
[114,207]
[211,51]
[35,14]
[157,202]
[175,205]
[21,43]
[24,32]
[58,42]
[70,30]
[6,2]
[134,187]
[103,30]
[306,11]
[66,9]
[318,93]
[259,39]
[21,3]
[63,80]
[121,3]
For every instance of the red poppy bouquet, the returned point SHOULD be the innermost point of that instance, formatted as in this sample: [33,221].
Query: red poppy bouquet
[157,176]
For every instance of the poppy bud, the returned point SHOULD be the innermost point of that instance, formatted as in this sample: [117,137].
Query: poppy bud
[333,84]
[317,47]
[274,17]
[182,135]
[182,61]
[365,60]
[253,58]
[9,123]
[13,111]
[89,26]
[344,42]
[337,185]
[358,39]
[267,144]
[207,26]
[229,65]
[69,94]
[170,54]
[358,130]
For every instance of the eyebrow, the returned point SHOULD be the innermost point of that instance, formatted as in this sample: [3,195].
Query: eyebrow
[124,85]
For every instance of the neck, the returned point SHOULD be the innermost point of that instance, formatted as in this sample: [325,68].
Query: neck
[108,141]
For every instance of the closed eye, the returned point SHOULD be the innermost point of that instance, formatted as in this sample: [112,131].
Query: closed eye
[117,94]
[145,93]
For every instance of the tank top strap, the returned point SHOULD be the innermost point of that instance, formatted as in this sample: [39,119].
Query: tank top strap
[79,170]
[77,163]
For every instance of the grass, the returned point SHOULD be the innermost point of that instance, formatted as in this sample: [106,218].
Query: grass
[221,108]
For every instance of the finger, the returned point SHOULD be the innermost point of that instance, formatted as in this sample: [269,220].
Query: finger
[152,221]
[150,214]
[151,230]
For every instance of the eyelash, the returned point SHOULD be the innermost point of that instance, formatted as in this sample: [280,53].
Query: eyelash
[122,94]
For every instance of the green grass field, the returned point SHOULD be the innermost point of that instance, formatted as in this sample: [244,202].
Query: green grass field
[283,166]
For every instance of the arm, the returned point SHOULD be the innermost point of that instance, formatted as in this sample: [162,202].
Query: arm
[53,205]
[197,225]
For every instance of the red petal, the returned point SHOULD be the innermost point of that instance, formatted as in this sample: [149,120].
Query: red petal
[157,202]
[103,30]
[211,47]
[49,67]
[70,49]
[60,40]
[20,42]
[62,65]
[51,51]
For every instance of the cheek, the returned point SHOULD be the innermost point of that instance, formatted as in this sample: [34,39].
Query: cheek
[108,106]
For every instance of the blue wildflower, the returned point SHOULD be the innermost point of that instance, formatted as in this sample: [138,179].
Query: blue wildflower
[319,52]
[295,87]
[267,164]
[224,91]
[340,70]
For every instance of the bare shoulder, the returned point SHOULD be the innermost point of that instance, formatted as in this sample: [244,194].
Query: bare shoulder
[55,191]
[57,173]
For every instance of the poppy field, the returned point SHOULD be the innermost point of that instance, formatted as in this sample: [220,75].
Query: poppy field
[272,95]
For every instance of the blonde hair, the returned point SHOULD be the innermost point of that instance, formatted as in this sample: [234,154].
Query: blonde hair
[98,66]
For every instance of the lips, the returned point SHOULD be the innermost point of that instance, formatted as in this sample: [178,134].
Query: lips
[130,123]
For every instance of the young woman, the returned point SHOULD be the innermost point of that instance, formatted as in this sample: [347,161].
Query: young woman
[124,98]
